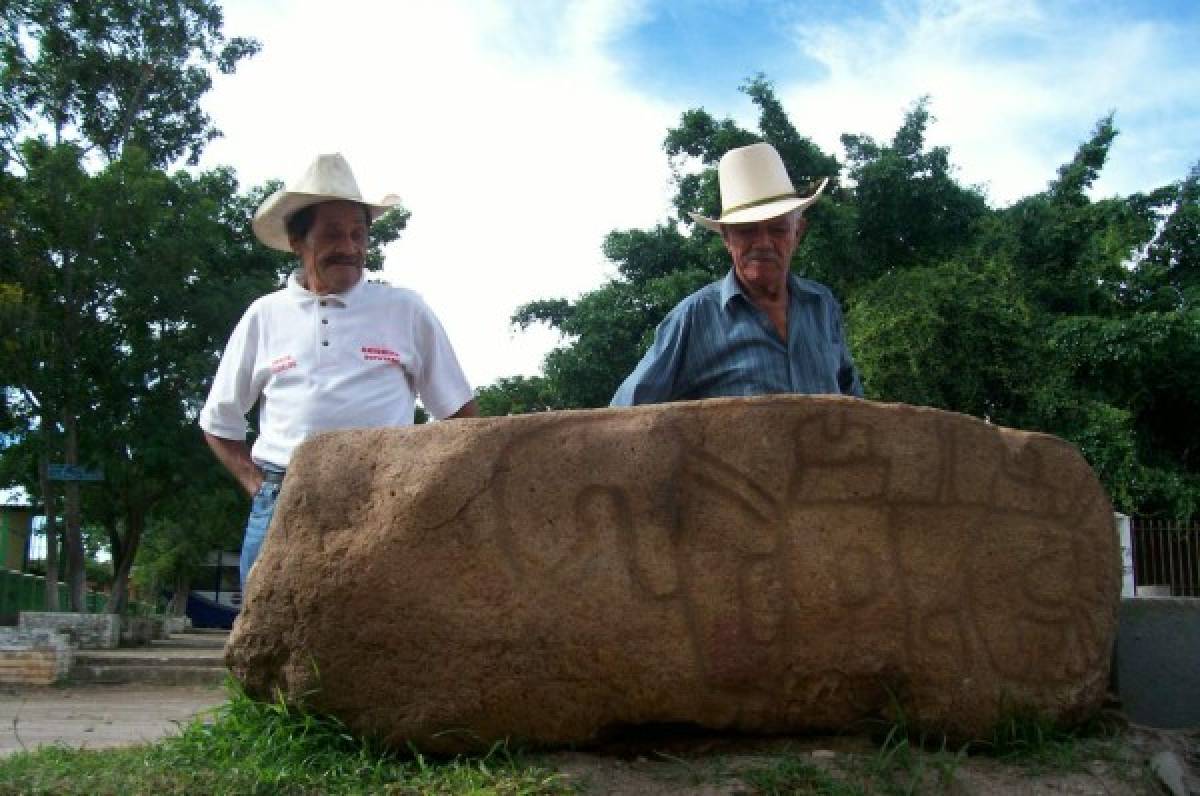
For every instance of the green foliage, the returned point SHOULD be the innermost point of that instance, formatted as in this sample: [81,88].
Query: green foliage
[909,209]
[114,72]
[518,395]
[1062,314]
[951,336]
[386,229]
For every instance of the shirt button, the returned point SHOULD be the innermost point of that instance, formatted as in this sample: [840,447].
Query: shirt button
[324,320]
[324,303]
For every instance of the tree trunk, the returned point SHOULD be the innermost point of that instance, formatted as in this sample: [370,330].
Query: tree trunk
[123,556]
[183,585]
[76,568]
[51,534]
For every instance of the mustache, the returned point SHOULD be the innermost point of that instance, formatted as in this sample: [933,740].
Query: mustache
[341,259]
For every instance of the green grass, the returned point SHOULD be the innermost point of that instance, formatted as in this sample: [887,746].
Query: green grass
[248,747]
[905,764]
[791,775]
[911,762]
[1038,745]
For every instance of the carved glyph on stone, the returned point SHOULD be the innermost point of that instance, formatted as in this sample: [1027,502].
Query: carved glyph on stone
[772,564]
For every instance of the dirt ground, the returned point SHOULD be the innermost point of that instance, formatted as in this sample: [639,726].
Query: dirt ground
[94,717]
[722,767]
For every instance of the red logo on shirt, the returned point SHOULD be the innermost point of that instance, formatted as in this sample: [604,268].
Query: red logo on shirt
[382,354]
[280,364]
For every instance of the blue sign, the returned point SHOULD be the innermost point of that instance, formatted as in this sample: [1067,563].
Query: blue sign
[73,472]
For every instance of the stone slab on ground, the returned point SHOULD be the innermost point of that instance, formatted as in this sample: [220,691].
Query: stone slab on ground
[96,717]
[779,564]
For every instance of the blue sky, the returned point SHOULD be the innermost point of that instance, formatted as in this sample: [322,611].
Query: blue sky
[519,132]
[677,49]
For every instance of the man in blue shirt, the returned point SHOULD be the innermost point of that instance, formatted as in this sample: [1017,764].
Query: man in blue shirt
[761,329]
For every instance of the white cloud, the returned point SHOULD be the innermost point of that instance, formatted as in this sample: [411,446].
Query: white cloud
[1014,87]
[503,127]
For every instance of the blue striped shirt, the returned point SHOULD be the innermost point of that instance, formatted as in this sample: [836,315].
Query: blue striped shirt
[717,343]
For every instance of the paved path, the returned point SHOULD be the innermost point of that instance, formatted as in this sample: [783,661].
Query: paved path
[94,717]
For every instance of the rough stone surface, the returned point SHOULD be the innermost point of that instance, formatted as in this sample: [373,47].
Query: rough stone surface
[775,564]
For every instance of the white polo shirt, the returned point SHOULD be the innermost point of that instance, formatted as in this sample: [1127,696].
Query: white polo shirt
[356,359]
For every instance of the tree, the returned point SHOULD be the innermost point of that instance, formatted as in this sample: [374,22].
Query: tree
[113,73]
[93,94]
[908,208]
[517,395]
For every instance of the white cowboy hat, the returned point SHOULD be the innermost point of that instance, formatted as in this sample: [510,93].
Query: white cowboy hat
[328,178]
[755,187]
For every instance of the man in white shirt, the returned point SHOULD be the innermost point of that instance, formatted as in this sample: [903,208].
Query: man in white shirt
[329,351]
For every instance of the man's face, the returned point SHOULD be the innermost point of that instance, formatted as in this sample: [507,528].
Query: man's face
[762,251]
[334,250]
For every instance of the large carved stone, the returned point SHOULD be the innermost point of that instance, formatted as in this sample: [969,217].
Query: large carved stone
[774,564]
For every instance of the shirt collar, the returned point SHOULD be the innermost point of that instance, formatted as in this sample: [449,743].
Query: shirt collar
[797,287]
[301,293]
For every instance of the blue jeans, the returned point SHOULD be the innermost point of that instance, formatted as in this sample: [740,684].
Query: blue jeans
[262,508]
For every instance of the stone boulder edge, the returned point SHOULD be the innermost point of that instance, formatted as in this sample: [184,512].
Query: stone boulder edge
[768,565]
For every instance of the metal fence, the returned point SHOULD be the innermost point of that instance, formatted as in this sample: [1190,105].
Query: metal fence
[20,591]
[1166,557]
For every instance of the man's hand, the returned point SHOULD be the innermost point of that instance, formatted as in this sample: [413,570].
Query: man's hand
[234,454]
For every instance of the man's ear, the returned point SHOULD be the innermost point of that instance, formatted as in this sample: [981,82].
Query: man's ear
[725,238]
[801,227]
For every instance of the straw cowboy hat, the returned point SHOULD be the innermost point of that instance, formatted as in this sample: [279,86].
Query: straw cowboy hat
[755,187]
[328,178]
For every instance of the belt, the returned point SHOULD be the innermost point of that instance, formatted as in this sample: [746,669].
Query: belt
[274,476]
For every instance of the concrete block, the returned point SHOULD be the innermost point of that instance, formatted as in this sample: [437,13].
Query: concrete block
[86,631]
[137,631]
[37,657]
[134,631]
[177,624]
[1158,646]
[158,628]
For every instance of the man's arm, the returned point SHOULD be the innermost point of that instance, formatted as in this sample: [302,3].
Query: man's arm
[234,455]
[849,381]
[655,379]
[469,409]
[235,388]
